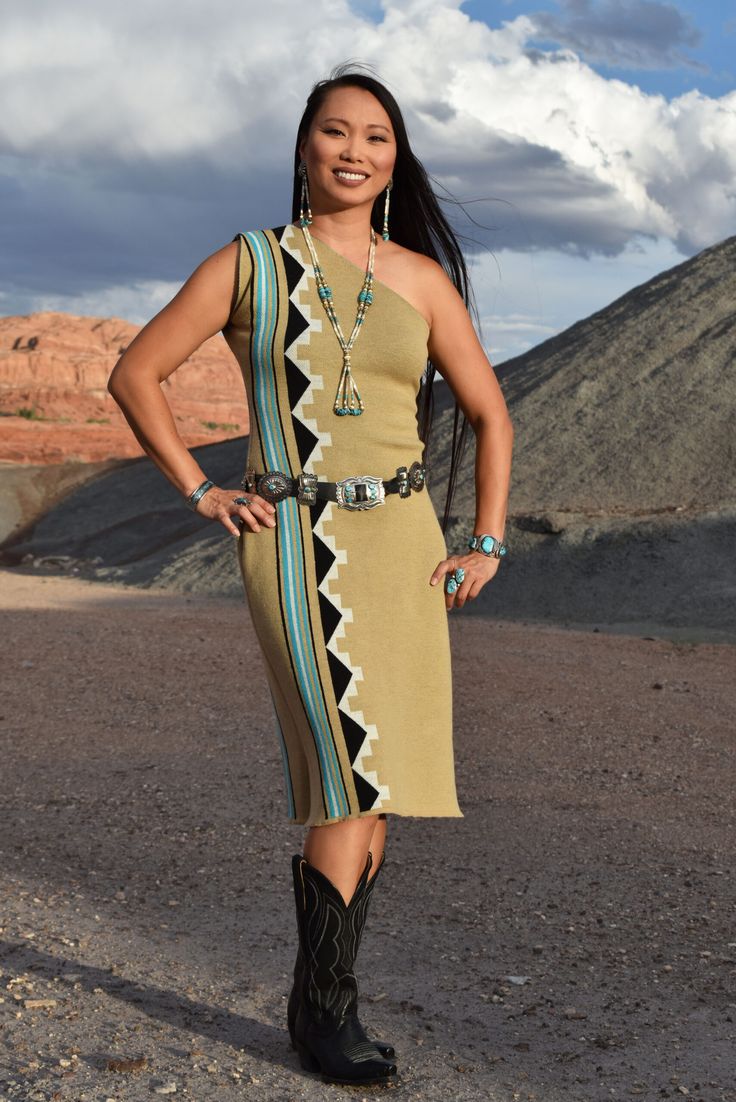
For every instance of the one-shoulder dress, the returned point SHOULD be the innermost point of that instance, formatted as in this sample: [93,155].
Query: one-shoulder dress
[354,638]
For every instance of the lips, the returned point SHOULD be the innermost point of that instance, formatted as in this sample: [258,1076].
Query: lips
[348,174]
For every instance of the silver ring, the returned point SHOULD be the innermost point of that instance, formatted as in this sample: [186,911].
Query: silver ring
[241,501]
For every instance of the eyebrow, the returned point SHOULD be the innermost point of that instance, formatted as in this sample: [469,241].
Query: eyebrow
[376,125]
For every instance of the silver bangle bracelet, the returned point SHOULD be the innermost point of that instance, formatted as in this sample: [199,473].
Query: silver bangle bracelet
[193,499]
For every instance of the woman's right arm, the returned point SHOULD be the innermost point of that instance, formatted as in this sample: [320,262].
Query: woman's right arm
[198,311]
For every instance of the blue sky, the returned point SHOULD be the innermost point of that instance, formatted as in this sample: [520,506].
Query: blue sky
[708,61]
[599,135]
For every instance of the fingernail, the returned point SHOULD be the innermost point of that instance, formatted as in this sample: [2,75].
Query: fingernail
[433,582]
[271,522]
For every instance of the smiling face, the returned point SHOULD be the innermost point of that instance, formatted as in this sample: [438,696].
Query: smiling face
[350,150]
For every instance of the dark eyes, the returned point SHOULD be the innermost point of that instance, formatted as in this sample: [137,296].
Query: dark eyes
[334,130]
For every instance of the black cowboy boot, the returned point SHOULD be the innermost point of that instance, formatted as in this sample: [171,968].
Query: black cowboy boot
[325,1032]
[363,893]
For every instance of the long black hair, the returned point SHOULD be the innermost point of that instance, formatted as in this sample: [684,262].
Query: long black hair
[417,223]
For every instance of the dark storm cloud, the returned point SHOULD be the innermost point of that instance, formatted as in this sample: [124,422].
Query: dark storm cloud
[517,195]
[627,34]
[69,231]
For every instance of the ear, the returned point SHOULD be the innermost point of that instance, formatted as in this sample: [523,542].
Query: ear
[302,143]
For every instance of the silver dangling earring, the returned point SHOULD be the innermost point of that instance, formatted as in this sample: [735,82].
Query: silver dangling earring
[304,221]
[385,209]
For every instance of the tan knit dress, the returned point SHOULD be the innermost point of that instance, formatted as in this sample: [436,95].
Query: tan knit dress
[354,638]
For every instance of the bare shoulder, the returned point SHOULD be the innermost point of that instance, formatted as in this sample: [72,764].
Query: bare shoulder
[418,278]
[417,264]
[210,286]
[218,267]
[200,309]
[438,283]
[424,270]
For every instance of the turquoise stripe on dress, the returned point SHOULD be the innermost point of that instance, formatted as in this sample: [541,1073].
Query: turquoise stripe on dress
[288,531]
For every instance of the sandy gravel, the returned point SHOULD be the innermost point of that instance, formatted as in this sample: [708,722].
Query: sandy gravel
[572,938]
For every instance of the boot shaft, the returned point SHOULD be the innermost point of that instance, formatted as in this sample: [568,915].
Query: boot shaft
[329,936]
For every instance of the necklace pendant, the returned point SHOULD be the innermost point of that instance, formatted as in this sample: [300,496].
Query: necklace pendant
[347,398]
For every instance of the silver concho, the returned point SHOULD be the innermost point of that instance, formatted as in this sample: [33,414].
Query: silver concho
[363,491]
[307,492]
[273,486]
[402,479]
[248,481]
[417,476]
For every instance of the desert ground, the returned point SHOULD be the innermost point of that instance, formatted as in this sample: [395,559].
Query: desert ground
[571,938]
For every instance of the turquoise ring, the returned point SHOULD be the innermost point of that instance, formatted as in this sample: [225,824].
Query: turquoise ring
[455,580]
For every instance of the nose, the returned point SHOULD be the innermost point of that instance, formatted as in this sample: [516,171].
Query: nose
[351,151]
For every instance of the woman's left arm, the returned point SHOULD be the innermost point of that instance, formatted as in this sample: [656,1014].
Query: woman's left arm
[457,353]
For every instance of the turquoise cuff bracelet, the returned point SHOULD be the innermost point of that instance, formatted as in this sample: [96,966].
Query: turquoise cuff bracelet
[192,500]
[488,545]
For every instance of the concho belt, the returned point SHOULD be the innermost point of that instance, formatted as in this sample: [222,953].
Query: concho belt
[363,491]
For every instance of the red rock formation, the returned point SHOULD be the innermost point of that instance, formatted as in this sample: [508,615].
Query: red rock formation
[55,367]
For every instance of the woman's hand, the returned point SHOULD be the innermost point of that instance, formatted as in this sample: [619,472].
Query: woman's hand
[218,504]
[479,569]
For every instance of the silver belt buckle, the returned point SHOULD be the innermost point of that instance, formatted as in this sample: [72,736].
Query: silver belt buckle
[362,491]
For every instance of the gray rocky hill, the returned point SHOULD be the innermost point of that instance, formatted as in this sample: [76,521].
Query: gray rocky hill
[632,410]
[622,509]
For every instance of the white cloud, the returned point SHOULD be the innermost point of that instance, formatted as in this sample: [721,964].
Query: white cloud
[217,85]
[657,160]
[136,302]
[137,136]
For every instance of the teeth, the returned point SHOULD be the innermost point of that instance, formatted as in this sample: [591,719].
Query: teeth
[350,175]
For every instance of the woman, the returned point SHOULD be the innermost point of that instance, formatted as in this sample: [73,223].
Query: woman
[341,552]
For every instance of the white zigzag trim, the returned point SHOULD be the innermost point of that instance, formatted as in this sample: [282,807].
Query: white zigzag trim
[324,439]
[341,556]
[370,775]
[346,617]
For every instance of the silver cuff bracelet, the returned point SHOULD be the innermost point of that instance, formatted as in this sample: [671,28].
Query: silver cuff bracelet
[192,500]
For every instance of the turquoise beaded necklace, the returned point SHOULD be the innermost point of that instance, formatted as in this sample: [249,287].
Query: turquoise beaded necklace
[347,398]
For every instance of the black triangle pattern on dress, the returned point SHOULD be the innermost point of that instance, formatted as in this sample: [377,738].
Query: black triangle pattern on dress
[306,441]
[330,615]
[341,674]
[318,509]
[296,381]
[323,559]
[354,736]
[366,792]
[292,267]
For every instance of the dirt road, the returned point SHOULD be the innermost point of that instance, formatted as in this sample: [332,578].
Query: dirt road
[572,938]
